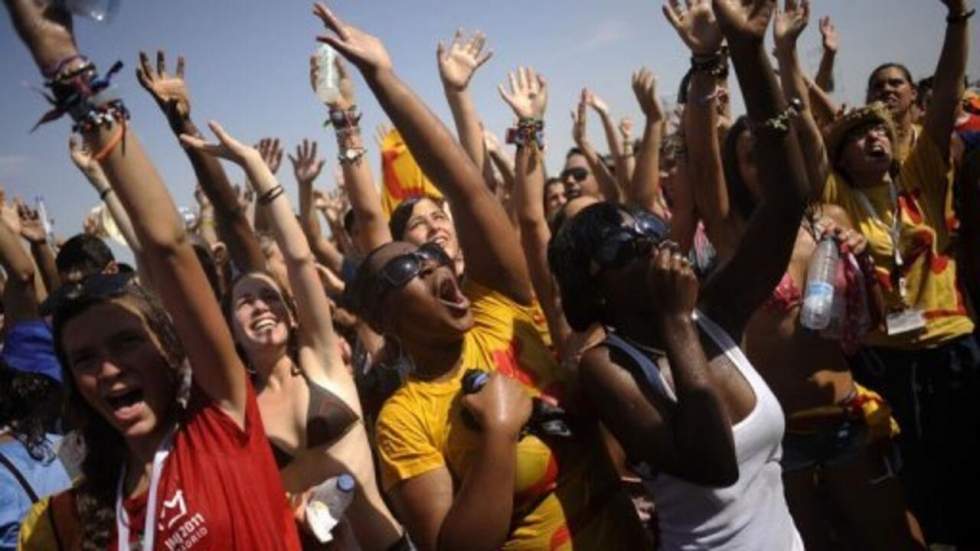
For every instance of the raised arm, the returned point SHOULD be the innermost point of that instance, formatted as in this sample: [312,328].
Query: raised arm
[744,282]
[171,94]
[493,256]
[312,306]
[644,189]
[20,297]
[948,84]
[787,28]
[612,139]
[306,167]
[830,40]
[699,30]
[364,197]
[607,182]
[32,230]
[529,205]
[457,65]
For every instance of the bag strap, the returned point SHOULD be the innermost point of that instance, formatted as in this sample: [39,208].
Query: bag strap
[6,462]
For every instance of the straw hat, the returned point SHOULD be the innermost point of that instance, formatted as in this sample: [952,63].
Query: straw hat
[837,132]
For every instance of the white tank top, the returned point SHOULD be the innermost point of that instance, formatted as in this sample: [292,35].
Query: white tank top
[750,515]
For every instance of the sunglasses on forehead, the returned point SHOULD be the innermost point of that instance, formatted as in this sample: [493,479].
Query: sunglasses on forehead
[398,271]
[92,287]
[620,245]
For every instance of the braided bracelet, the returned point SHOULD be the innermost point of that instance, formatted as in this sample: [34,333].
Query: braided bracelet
[271,195]
[527,131]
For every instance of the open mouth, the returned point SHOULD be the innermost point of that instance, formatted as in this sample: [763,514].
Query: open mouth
[125,406]
[450,295]
[265,324]
[877,152]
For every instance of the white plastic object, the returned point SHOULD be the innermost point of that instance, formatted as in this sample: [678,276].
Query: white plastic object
[328,78]
[101,11]
[818,299]
[327,504]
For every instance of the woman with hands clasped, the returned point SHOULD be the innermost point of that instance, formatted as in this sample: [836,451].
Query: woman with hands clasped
[670,380]
[307,396]
[830,443]
[456,466]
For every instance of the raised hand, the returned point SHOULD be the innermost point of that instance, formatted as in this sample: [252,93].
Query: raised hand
[696,25]
[81,155]
[227,147]
[9,216]
[271,153]
[626,129]
[528,95]
[645,88]
[345,99]
[491,143]
[169,91]
[578,121]
[463,57]
[202,199]
[31,225]
[672,282]
[828,34]
[595,102]
[744,21]
[790,22]
[306,166]
[359,47]
[381,132]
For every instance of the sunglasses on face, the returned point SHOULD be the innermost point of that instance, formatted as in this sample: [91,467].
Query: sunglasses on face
[622,244]
[398,271]
[578,174]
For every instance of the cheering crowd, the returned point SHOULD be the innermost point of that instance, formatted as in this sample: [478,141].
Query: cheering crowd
[620,354]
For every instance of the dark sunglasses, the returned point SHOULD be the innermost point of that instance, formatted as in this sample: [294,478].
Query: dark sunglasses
[95,286]
[398,271]
[578,174]
[620,245]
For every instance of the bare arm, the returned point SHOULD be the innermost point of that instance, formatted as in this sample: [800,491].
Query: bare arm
[20,297]
[494,258]
[690,438]
[789,23]
[306,167]
[313,308]
[171,94]
[948,88]
[743,283]
[612,139]
[457,65]
[607,183]
[830,41]
[644,189]
[32,230]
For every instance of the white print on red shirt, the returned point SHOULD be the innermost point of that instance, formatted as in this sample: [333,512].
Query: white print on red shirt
[192,530]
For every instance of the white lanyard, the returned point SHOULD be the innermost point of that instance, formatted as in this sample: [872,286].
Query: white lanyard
[894,232]
[122,519]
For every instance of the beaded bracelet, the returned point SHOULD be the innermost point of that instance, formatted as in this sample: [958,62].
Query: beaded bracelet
[527,131]
[780,124]
[85,97]
[343,118]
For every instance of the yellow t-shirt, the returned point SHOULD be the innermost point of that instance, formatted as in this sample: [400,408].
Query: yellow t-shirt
[924,188]
[563,490]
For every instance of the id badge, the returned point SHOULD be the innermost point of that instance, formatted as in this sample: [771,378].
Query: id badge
[904,321]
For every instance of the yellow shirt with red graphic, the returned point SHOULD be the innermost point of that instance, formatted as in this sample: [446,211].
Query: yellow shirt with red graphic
[564,491]
[924,188]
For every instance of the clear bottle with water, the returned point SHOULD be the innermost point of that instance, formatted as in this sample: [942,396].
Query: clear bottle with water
[97,10]
[327,503]
[818,299]
[328,78]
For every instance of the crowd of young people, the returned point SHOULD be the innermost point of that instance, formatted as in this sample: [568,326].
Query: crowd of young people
[612,358]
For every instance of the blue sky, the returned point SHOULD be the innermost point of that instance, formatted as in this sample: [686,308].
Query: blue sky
[247,64]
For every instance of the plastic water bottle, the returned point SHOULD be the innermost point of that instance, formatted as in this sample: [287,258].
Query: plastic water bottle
[97,10]
[328,79]
[327,504]
[818,300]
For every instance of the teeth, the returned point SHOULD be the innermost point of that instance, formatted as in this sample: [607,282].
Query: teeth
[264,324]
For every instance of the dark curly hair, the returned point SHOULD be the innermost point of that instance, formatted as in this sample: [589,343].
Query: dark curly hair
[31,404]
[106,449]
[570,254]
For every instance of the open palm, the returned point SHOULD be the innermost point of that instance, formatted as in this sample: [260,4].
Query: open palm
[459,62]
[169,91]
[696,25]
[360,48]
[528,95]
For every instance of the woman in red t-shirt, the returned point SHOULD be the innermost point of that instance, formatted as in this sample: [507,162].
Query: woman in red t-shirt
[171,464]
